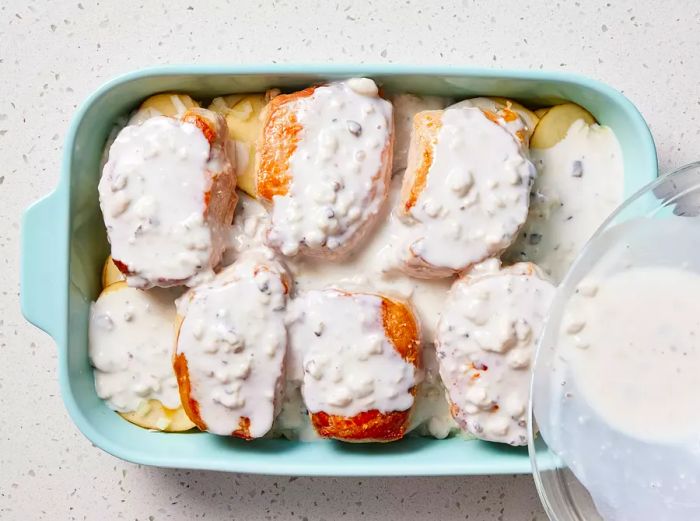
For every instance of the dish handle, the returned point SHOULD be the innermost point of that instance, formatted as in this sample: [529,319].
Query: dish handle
[43,256]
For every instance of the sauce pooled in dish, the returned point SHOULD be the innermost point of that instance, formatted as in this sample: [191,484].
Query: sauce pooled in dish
[131,337]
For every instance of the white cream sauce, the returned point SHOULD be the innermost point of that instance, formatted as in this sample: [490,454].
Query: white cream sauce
[636,334]
[338,171]
[476,196]
[152,193]
[486,338]
[234,338]
[131,336]
[579,183]
[349,364]
[616,386]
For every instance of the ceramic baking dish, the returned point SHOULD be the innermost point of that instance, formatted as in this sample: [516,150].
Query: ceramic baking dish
[64,245]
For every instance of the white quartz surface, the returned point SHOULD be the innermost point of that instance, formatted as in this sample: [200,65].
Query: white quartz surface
[53,54]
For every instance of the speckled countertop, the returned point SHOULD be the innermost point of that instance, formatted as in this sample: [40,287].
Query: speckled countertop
[53,54]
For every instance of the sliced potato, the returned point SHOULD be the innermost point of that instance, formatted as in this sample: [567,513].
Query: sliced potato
[110,273]
[153,415]
[169,104]
[242,113]
[541,112]
[556,122]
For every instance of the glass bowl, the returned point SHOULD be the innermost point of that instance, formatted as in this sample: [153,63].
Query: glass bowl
[556,474]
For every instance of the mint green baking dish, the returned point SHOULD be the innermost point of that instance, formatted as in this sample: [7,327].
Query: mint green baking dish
[64,245]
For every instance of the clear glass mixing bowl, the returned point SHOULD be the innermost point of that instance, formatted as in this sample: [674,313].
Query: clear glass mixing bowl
[563,496]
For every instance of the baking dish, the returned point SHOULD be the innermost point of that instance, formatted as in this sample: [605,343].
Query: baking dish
[64,245]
